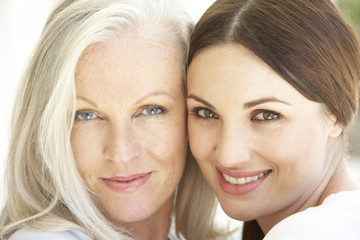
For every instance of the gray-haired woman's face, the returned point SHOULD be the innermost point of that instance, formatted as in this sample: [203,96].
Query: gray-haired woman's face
[129,138]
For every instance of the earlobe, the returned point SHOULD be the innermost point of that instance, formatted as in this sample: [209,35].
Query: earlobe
[336,129]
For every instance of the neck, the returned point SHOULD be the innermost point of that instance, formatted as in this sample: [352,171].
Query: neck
[155,227]
[336,178]
[340,181]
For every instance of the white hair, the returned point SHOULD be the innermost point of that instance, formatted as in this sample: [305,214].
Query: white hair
[45,190]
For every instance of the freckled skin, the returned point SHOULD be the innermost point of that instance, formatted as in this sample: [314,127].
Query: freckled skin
[120,84]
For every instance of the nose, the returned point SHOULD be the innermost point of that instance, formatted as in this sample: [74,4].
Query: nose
[234,146]
[121,145]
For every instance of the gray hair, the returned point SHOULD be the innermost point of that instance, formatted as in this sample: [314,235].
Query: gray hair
[44,188]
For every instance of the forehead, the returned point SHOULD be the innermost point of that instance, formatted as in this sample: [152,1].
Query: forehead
[127,64]
[129,51]
[228,64]
[140,48]
[234,71]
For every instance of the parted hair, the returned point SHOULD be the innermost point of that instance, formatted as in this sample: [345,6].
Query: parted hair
[306,42]
[44,188]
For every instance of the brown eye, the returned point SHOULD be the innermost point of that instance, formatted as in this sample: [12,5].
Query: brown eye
[206,113]
[266,116]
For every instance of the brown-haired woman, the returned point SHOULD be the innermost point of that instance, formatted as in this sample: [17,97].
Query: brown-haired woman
[272,91]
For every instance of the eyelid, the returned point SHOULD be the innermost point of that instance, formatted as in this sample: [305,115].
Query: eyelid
[80,111]
[196,110]
[259,111]
[143,108]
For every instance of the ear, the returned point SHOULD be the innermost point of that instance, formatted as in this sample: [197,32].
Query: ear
[335,129]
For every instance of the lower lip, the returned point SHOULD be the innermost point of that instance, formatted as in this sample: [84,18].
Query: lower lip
[239,189]
[127,186]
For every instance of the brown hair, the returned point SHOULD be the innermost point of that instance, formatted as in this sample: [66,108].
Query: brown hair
[306,42]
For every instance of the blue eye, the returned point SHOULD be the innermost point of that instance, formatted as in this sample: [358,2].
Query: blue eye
[85,115]
[266,116]
[152,110]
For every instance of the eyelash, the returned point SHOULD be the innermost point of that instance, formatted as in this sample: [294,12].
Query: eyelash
[79,112]
[196,111]
[162,112]
[162,109]
[276,116]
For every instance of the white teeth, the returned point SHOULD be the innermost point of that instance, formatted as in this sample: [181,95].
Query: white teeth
[232,180]
[227,178]
[255,178]
[243,180]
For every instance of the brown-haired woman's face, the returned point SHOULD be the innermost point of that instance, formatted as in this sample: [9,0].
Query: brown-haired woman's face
[129,134]
[261,145]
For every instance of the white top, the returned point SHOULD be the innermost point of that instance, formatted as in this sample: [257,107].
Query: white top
[338,217]
[221,220]
[25,234]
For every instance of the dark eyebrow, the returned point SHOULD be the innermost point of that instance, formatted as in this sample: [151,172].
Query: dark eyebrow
[263,100]
[199,99]
[87,100]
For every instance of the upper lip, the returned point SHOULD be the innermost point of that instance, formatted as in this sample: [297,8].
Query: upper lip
[240,173]
[126,178]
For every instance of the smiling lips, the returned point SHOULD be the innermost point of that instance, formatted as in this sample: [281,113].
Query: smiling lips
[240,183]
[244,180]
[127,184]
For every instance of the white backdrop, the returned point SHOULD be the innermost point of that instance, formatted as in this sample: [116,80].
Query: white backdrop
[21,22]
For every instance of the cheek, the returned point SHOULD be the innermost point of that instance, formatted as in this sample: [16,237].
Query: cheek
[201,142]
[169,148]
[87,149]
[295,151]
[166,141]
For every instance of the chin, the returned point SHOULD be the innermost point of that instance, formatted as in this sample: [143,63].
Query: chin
[240,216]
[124,216]
[239,210]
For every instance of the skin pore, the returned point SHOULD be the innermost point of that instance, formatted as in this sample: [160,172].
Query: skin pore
[128,137]
[266,150]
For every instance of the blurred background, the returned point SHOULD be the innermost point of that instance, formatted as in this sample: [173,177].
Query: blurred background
[21,22]
[351,11]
